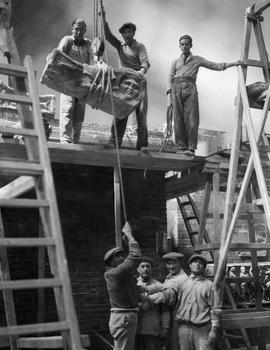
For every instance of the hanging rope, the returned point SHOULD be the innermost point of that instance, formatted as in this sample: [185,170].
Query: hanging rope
[97,5]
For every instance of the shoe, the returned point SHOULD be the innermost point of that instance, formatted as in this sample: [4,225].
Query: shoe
[109,145]
[189,152]
[65,142]
[181,150]
[144,149]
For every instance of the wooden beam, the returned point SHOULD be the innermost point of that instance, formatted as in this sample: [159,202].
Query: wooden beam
[17,187]
[98,156]
[117,208]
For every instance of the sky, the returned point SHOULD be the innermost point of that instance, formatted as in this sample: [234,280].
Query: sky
[216,27]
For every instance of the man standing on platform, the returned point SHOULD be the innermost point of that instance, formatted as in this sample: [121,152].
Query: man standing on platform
[132,54]
[183,95]
[122,289]
[72,110]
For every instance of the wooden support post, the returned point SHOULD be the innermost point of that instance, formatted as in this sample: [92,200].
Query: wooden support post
[216,213]
[117,208]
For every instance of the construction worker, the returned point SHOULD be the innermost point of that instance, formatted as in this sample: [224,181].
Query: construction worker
[183,95]
[153,320]
[132,54]
[173,263]
[123,294]
[198,307]
[72,110]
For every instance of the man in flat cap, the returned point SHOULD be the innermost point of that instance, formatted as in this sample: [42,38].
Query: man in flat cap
[198,310]
[132,54]
[72,110]
[183,95]
[153,320]
[122,289]
[173,262]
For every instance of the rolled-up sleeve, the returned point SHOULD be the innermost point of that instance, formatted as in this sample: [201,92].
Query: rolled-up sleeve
[215,308]
[171,75]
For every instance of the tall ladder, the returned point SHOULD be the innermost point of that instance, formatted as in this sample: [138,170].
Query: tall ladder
[33,172]
[258,316]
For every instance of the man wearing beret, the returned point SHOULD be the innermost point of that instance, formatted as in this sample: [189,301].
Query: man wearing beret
[198,311]
[183,95]
[132,54]
[72,110]
[153,320]
[122,289]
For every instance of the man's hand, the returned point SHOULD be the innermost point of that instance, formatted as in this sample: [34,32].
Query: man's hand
[127,229]
[169,99]
[141,72]
[164,332]
[212,336]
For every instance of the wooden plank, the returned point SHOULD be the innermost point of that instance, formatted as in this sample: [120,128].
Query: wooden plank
[235,246]
[249,320]
[259,8]
[203,215]
[20,168]
[186,184]
[50,342]
[16,98]
[26,242]
[17,187]
[13,70]
[34,328]
[98,156]
[23,203]
[17,131]
[31,283]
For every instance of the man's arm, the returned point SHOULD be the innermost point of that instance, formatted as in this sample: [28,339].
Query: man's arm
[108,34]
[218,66]
[144,61]
[65,44]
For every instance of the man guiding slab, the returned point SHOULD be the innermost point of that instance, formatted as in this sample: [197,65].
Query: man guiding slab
[183,95]
[123,294]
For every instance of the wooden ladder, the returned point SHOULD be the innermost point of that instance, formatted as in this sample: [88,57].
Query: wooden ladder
[258,316]
[33,171]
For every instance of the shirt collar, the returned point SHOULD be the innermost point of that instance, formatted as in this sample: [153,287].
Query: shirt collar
[197,278]
[133,43]
[190,56]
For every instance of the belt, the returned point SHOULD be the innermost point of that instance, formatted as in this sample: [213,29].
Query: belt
[116,309]
[180,79]
[188,323]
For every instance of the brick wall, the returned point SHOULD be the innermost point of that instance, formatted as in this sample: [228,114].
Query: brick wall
[86,204]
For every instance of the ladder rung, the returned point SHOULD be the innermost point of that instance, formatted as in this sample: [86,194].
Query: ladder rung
[234,246]
[193,232]
[34,328]
[190,217]
[183,204]
[23,203]
[16,98]
[26,242]
[18,131]
[21,168]
[49,342]
[29,284]
[14,70]
[258,201]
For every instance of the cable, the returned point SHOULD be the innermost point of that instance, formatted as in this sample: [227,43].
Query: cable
[115,129]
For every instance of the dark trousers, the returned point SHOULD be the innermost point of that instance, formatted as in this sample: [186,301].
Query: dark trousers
[147,342]
[185,114]
[142,132]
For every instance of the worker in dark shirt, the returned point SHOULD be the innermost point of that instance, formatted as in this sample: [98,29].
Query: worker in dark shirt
[123,293]
[132,54]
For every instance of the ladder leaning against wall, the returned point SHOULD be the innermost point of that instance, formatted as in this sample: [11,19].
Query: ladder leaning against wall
[33,170]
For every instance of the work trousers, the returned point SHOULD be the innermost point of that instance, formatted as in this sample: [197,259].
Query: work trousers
[172,343]
[185,114]
[148,342]
[71,118]
[142,132]
[194,337]
[123,329]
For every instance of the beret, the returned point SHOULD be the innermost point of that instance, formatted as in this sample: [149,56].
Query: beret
[146,259]
[197,256]
[173,256]
[127,25]
[112,252]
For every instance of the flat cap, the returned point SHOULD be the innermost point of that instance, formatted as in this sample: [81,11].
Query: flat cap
[110,253]
[127,25]
[79,21]
[173,256]
[146,259]
[197,256]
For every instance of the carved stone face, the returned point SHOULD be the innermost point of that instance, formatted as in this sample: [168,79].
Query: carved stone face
[129,88]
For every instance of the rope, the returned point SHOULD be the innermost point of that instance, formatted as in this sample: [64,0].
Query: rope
[115,129]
